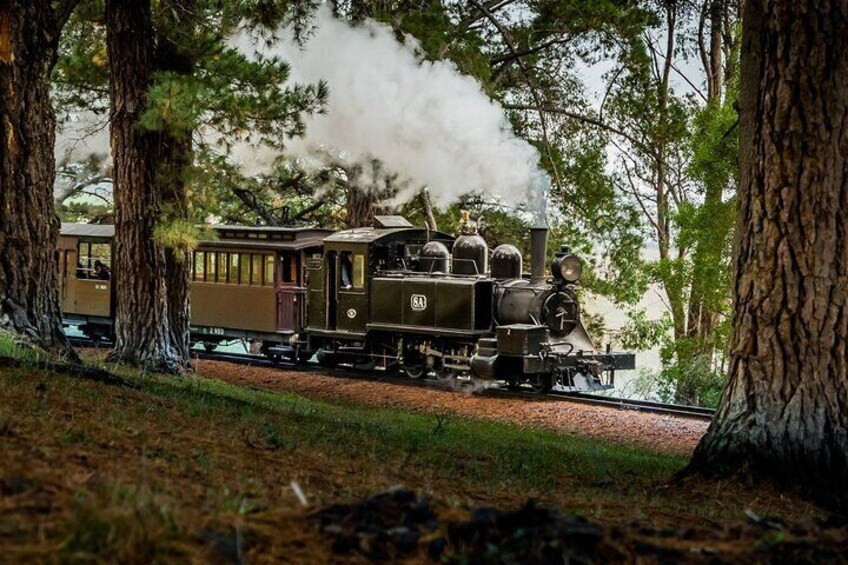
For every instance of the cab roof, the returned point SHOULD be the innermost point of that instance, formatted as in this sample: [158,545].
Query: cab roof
[372,235]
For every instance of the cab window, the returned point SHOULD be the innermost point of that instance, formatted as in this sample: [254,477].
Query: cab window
[345,270]
[359,271]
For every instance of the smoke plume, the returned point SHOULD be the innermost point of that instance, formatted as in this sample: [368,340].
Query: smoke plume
[428,124]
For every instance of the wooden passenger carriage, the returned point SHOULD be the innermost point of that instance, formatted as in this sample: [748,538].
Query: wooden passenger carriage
[247,283]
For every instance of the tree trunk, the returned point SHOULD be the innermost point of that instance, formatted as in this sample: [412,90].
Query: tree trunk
[142,325]
[362,205]
[174,163]
[429,216]
[673,289]
[29,227]
[784,413]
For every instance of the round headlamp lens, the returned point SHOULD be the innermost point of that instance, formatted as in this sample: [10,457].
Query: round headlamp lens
[571,267]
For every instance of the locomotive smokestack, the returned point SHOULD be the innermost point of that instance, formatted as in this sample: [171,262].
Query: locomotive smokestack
[538,252]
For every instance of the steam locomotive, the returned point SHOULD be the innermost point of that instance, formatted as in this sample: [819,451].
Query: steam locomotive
[387,297]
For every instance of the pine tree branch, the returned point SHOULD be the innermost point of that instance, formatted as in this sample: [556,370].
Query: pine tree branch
[586,120]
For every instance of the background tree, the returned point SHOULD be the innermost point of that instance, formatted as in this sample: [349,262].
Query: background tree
[677,162]
[194,96]
[784,411]
[29,228]
[142,322]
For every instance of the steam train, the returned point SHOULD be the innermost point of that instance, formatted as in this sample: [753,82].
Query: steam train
[388,297]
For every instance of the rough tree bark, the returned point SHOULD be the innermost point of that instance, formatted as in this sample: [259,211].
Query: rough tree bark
[29,227]
[784,413]
[429,216]
[173,168]
[363,205]
[142,325]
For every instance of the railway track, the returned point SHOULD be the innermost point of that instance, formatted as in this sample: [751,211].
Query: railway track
[676,410]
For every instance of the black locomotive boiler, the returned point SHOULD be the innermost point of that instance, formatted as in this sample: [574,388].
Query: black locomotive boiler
[430,303]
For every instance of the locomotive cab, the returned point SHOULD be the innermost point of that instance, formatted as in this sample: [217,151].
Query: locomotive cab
[342,283]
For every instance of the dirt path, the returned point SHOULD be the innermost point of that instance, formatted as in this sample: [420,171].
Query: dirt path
[665,434]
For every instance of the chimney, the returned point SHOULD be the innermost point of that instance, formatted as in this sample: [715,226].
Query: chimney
[538,253]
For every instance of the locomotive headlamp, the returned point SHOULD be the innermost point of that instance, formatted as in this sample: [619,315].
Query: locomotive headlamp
[570,268]
[567,266]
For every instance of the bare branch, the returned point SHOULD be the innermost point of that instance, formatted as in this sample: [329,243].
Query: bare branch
[78,187]
[530,82]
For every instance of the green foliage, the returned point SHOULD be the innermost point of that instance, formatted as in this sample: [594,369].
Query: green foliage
[182,235]
[696,374]
[640,332]
[12,346]
[202,88]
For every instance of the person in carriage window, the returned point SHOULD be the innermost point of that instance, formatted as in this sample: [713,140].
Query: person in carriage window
[346,269]
[101,271]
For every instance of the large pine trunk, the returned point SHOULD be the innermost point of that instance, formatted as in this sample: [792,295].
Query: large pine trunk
[784,413]
[142,321]
[175,159]
[176,38]
[29,227]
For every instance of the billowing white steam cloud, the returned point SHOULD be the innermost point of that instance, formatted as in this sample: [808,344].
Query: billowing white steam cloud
[426,122]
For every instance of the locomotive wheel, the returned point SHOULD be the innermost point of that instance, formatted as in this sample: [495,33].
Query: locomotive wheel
[414,371]
[542,384]
[326,359]
[513,384]
[209,347]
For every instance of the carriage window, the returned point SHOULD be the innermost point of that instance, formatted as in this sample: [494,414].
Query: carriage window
[199,265]
[244,268]
[94,261]
[234,268]
[269,270]
[288,272]
[256,271]
[211,266]
[101,252]
[83,261]
[222,267]
[359,271]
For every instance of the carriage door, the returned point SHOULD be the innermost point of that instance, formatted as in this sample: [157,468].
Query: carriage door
[331,286]
[69,266]
[316,301]
[290,295]
[353,302]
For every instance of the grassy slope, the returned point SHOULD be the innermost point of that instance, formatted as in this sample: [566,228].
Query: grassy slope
[90,469]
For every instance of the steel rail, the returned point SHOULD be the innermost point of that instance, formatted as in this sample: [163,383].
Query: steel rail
[647,406]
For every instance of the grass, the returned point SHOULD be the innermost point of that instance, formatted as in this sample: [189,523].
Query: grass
[12,347]
[490,453]
[155,471]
